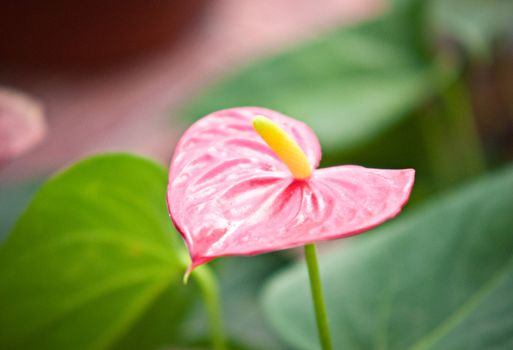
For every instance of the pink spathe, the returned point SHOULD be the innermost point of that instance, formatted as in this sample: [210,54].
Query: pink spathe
[229,194]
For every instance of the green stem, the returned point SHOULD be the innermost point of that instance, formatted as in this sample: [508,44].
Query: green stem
[209,288]
[459,112]
[321,315]
[450,134]
[439,151]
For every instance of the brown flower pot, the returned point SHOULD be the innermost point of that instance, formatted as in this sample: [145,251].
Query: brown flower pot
[75,33]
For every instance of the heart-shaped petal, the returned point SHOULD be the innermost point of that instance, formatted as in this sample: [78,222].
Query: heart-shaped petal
[215,141]
[229,194]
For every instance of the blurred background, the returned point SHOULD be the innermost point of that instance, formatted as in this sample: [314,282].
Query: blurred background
[391,84]
[79,79]
[111,77]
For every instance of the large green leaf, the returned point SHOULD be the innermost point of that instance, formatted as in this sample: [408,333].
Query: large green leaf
[438,278]
[94,263]
[348,85]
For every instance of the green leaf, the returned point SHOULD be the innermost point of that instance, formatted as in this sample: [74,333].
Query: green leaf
[439,278]
[94,263]
[348,85]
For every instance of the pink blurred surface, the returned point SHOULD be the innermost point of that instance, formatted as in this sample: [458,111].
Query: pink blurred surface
[130,107]
[22,125]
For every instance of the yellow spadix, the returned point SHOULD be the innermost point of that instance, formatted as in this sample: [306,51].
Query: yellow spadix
[284,146]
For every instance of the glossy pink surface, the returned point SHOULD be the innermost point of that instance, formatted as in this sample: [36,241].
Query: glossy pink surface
[229,194]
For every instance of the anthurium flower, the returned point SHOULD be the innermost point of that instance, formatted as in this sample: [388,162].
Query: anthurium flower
[244,181]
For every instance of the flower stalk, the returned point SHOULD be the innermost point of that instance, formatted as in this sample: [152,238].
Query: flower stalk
[321,315]
[209,288]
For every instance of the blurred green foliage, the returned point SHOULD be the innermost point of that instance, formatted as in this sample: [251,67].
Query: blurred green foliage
[474,24]
[241,279]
